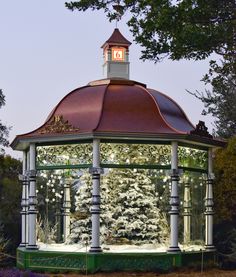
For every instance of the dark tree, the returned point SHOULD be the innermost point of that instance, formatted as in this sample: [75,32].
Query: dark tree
[221,100]
[190,29]
[225,190]
[185,29]
[225,204]
[3,129]
[10,196]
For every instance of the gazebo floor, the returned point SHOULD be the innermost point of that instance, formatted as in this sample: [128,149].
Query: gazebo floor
[62,261]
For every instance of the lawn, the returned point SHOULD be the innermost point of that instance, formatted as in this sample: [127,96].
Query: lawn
[209,273]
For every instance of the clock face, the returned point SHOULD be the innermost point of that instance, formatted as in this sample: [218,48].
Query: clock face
[118,54]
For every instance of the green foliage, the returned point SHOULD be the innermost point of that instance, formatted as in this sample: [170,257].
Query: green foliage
[225,239]
[190,29]
[225,204]
[185,29]
[3,129]
[50,193]
[46,233]
[141,154]
[221,101]
[10,195]
[190,157]
[68,154]
[225,182]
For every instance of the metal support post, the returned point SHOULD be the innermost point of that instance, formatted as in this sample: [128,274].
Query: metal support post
[96,171]
[24,203]
[174,200]
[209,212]
[66,209]
[187,213]
[32,213]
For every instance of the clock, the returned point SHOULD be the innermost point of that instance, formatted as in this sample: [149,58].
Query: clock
[118,54]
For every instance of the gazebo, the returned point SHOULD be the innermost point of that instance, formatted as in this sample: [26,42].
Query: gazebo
[81,134]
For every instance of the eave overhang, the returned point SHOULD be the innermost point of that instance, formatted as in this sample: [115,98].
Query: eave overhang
[22,143]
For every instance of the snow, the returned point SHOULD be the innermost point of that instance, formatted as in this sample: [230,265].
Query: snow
[146,248]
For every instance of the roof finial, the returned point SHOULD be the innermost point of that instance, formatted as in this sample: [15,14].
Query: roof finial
[119,11]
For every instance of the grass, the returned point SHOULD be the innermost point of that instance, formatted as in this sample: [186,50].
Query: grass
[187,273]
[208,273]
[15,272]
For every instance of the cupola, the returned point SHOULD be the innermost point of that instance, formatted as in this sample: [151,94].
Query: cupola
[116,56]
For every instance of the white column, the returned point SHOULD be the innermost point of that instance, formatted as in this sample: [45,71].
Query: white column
[95,210]
[66,209]
[32,213]
[27,197]
[187,213]
[24,203]
[209,205]
[58,215]
[174,199]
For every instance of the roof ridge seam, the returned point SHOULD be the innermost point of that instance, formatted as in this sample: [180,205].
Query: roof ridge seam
[173,129]
[101,112]
[176,105]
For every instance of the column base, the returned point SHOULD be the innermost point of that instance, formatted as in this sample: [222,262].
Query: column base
[173,249]
[95,249]
[210,247]
[23,244]
[32,247]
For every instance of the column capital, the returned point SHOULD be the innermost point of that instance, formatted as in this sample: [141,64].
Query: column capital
[68,181]
[209,212]
[96,170]
[175,172]
[187,185]
[174,201]
[31,173]
[209,202]
[23,177]
[210,176]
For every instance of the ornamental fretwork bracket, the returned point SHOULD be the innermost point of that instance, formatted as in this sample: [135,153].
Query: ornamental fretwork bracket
[201,130]
[58,125]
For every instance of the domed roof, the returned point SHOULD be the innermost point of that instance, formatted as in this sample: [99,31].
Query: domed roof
[114,107]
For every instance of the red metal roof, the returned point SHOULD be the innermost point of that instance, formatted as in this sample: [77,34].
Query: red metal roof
[117,39]
[114,106]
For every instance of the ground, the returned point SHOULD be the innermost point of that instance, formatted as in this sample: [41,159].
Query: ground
[187,273]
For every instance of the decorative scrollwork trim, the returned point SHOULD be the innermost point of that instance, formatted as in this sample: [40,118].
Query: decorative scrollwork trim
[58,125]
[201,130]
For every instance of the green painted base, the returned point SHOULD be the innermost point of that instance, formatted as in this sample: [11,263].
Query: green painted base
[49,261]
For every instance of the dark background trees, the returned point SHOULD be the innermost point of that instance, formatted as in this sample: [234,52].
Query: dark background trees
[4,130]
[220,101]
[190,29]
[225,203]
[225,182]
[10,199]
[10,192]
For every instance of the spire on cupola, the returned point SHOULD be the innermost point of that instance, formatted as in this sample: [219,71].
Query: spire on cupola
[116,56]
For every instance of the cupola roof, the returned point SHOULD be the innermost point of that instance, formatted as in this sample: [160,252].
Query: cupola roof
[117,39]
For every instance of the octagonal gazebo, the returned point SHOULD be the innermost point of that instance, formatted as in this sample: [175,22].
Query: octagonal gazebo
[81,133]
